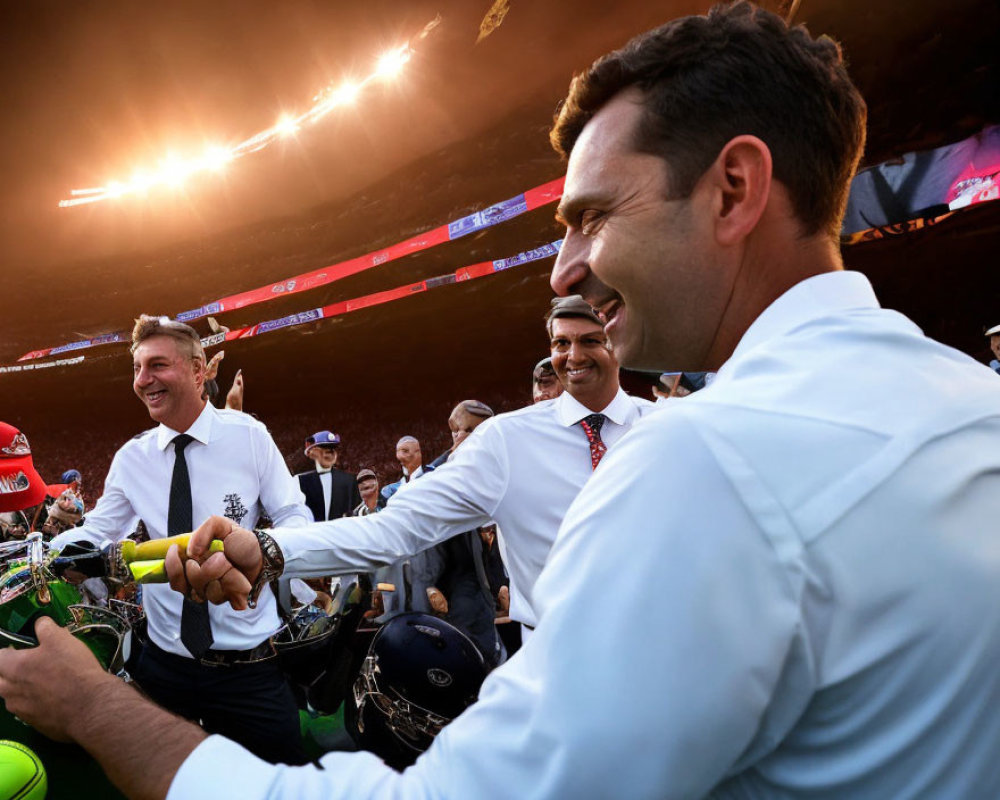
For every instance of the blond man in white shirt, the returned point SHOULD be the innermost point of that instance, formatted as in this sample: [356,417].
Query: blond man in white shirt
[234,469]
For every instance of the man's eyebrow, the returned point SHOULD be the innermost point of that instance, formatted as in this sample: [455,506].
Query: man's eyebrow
[569,207]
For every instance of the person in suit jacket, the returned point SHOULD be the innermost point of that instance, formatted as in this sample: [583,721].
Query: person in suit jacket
[330,493]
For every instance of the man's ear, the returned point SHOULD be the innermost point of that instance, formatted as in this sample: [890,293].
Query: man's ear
[198,365]
[741,176]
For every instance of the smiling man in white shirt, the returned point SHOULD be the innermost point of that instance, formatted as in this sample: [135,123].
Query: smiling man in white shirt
[231,681]
[827,621]
[521,469]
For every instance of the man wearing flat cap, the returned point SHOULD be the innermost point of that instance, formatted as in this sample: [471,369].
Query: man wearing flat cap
[544,383]
[330,493]
[368,489]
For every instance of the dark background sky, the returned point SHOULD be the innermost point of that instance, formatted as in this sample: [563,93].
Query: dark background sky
[91,90]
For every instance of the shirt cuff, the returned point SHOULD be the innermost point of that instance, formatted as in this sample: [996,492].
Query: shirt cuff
[218,768]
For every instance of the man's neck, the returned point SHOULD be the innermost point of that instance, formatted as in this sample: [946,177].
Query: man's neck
[409,472]
[769,270]
[599,400]
[189,419]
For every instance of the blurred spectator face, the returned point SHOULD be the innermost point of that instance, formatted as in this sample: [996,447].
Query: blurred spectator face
[581,357]
[462,423]
[369,491]
[324,457]
[544,384]
[13,525]
[995,344]
[408,454]
[168,381]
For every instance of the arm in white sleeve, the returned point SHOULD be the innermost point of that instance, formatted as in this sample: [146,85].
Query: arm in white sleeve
[458,496]
[109,521]
[280,494]
[655,686]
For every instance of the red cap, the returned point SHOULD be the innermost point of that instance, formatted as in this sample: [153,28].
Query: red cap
[20,485]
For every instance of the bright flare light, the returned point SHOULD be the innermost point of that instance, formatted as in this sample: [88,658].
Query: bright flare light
[216,158]
[174,171]
[392,63]
[347,94]
[287,125]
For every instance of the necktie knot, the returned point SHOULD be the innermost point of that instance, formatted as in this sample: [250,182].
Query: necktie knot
[180,441]
[592,425]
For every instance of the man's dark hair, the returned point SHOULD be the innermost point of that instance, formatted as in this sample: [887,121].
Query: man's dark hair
[739,70]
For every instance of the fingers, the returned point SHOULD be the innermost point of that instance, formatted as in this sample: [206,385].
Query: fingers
[222,577]
[243,551]
[47,630]
[212,528]
[176,574]
[218,581]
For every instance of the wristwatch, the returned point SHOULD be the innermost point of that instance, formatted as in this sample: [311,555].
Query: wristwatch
[274,565]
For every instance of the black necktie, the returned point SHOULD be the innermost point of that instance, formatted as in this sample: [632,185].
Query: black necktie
[196,629]
[592,425]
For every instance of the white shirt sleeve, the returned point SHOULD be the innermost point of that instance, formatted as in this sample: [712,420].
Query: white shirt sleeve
[458,496]
[111,520]
[280,494]
[667,623]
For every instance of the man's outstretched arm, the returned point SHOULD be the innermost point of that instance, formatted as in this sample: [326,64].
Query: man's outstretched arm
[459,496]
[61,689]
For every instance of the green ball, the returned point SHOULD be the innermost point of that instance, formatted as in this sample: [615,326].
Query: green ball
[22,776]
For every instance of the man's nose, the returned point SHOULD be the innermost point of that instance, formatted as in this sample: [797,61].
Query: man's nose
[575,354]
[571,267]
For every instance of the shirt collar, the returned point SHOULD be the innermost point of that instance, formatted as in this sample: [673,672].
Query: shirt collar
[324,470]
[409,476]
[815,297]
[200,430]
[570,411]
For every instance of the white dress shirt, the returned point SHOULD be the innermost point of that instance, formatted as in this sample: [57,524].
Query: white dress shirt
[819,528]
[521,469]
[235,469]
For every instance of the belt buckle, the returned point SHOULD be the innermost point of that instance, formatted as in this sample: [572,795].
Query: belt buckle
[212,659]
[262,652]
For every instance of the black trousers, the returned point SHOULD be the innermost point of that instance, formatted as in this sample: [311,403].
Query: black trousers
[251,704]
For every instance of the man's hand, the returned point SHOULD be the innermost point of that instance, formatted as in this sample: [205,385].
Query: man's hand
[378,606]
[439,603]
[60,688]
[503,601]
[234,399]
[222,577]
[51,686]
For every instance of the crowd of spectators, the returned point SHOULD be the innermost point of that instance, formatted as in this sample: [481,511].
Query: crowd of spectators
[364,445]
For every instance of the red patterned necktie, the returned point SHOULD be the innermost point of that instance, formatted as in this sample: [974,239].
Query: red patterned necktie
[592,427]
